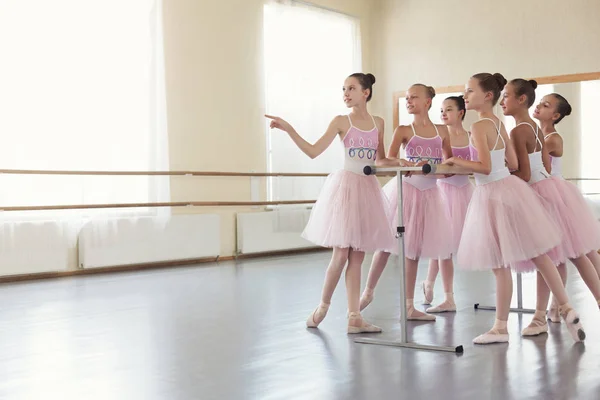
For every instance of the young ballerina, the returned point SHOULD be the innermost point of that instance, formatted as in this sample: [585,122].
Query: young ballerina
[427,228]
[505,223]
[350,214]
[456,192]
[549,112]
[519,96]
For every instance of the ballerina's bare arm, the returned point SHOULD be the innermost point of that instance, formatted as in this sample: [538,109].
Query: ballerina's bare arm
[546,156]
[446,145]
[554,146]
[518,138]
[382,160]
[311,150]
[510,154]
[393,158]
[484,165]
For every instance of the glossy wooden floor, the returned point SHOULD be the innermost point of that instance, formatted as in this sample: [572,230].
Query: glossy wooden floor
[232,331]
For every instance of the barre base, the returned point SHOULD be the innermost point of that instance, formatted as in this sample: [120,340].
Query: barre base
[396,343]
[477,306]
[403,342]
[519,309]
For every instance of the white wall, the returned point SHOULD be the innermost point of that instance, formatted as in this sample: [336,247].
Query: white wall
[443,43]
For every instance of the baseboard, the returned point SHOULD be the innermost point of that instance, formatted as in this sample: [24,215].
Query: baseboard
[149,266]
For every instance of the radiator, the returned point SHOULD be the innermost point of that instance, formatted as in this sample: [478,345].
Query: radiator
[269,231]
[129,241]
[36,246]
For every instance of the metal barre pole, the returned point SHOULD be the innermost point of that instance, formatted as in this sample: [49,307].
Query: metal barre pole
[401,260]
[519,309]
[426,169]
[403,342]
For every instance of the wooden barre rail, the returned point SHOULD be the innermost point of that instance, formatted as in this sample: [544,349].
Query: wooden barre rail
[158,173]
[163,204]
[186,173]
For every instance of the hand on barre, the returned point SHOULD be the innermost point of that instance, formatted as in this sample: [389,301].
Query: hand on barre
[393,162]
[421,164]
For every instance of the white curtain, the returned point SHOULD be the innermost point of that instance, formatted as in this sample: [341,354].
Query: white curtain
[309,51]
[82,88]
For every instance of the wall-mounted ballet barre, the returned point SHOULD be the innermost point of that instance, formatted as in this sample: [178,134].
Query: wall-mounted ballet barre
[159,204]
[216,173]
[163,204]
[438,169]
[160,173]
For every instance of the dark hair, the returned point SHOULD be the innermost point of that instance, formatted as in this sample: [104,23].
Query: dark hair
[460,104]
[366,82]
[564,108]
[491,83]
[527,88]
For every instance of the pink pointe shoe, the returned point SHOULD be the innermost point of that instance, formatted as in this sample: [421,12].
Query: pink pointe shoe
[317,316]
[356,324]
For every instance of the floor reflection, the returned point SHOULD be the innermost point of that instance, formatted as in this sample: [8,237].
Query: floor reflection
[238,332]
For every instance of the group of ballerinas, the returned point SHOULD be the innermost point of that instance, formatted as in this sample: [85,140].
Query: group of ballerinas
[521,215]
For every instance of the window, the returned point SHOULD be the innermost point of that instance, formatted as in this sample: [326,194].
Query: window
[308,53]
[590,140]
[82,88]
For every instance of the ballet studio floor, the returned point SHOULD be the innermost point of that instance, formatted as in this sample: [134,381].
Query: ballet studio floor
[237,331]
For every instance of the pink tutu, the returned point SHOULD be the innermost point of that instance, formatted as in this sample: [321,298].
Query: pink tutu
[505,223]
[554,206]
[456,201]
[427,230]
[581,229]
[351,211]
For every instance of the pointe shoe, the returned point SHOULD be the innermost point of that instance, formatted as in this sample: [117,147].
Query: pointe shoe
[446,306]
[573,323]
[493,336]
[535,328]
[365,300]
[356,324]
[427,292]
[414,315]
[317,316]
[553,314]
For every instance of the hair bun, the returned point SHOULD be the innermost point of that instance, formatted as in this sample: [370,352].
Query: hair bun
[533,83]
[371,78]
[500,79]
[431,91]
[568,110]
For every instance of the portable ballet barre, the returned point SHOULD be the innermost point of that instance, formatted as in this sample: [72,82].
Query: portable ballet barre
[519,308]
[425,170]
[444,169]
